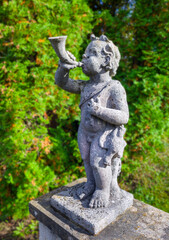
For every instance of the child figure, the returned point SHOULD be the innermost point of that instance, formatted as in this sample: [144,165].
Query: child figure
[104,111]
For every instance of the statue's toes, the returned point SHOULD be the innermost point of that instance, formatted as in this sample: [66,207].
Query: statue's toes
[91,204]
[100,203]
[96,202]
[81,196]
[80,192]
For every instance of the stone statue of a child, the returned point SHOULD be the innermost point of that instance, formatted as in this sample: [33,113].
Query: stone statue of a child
[104,111]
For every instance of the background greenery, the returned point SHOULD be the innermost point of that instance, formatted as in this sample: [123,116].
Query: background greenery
[39,121]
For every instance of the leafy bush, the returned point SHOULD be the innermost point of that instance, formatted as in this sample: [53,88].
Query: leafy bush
[22,231]
[38,120]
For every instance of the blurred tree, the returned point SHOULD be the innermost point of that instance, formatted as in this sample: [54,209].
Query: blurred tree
[38,122]
[112,6]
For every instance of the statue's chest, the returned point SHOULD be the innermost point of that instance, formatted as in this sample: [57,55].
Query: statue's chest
[100,93]
[88,92]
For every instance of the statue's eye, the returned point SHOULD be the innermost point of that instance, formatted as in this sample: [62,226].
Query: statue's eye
[102,52]
[94,53]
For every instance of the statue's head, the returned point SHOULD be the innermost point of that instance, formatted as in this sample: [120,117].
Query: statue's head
[101,55]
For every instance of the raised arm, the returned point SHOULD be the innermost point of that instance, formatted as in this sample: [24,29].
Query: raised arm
[62,80]
[62,76]
[118,114]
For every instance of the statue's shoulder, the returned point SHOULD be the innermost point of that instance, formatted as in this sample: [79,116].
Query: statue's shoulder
[115,83]
[116,87]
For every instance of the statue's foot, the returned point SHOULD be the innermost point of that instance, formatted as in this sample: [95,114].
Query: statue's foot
[86,190]
[99,199]
[115,193]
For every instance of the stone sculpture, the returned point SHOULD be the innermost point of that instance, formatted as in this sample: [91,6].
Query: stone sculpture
[104,111]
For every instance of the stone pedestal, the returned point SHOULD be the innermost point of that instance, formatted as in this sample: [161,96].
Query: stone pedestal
[94,220]
[139,222]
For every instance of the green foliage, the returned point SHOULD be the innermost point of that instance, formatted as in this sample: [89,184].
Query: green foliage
[37,120]
[22,231]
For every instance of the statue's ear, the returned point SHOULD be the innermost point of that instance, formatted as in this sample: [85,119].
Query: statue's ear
[107,61]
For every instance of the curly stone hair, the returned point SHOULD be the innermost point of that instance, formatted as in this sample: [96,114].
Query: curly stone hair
[109,50]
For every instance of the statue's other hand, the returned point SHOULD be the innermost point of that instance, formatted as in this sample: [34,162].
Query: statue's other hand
[107,161]
[93,106]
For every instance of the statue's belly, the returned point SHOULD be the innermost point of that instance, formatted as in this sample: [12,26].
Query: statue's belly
[91,123]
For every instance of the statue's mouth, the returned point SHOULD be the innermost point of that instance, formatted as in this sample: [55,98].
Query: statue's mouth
[83,67]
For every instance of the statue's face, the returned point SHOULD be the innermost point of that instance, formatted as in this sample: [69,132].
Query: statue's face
[94,58]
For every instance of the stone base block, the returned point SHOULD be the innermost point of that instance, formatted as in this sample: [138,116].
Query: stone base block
[93,220]
[139,222]
[46,234]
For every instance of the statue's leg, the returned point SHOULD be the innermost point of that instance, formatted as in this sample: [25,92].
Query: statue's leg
[102,175]
[84,148]
[116,168]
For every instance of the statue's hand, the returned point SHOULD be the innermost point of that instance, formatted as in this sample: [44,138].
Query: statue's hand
[67,65]
[93,106]
[107,161]
[72,57]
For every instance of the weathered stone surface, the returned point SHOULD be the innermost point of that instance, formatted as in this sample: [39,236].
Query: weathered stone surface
[93,220]
[140,222]
[104,111]
[46,234]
